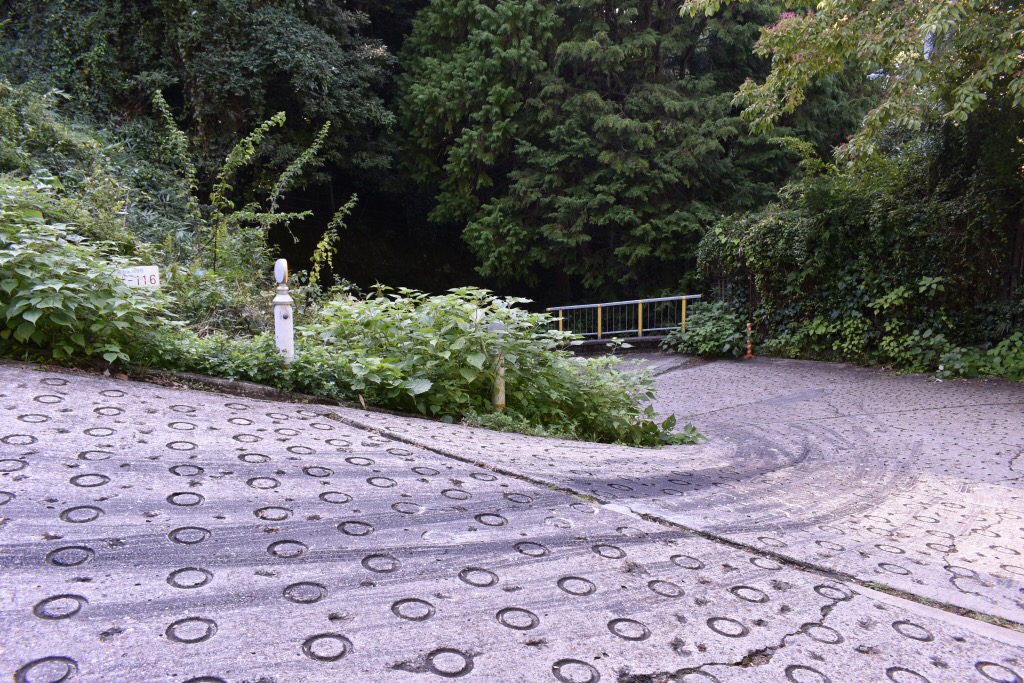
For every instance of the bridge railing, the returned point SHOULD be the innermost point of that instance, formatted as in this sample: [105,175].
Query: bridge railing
[633,318]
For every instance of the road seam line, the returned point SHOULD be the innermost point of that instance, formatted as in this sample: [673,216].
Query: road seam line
[988,621]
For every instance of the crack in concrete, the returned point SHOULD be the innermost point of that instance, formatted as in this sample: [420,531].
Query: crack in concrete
[1012,466]
[752,658]
[688,364]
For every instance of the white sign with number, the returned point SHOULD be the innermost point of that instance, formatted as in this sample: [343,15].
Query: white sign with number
[140,276]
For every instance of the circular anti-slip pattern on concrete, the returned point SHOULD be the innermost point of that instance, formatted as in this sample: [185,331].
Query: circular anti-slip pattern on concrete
[368,559]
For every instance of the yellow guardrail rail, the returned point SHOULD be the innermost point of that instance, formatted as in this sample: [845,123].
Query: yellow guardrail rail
[624,318]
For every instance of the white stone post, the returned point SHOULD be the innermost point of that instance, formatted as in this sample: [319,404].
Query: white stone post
[284,326]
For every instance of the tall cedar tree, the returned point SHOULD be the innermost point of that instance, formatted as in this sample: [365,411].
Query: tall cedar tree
[587,139]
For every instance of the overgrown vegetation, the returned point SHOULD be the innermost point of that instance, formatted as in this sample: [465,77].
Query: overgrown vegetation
[227,66]
[712,330]
[907,248]
[59,294]
[65,227]
[405,350]
[893,264]
[435,355]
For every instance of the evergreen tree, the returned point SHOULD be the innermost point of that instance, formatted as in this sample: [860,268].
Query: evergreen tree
[469,69]
[587,139]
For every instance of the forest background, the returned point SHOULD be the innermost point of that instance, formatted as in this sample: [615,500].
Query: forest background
[849,176]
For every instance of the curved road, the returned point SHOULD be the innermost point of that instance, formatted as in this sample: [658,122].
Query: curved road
[164,534]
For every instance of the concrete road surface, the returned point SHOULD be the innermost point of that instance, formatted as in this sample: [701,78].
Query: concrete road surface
[160,534]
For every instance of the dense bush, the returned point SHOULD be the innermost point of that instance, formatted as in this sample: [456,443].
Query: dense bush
[1005,359]
[90,189]
[907,247]
[58,294]
[712,329]
[903,258]
[435,355]
[135,196]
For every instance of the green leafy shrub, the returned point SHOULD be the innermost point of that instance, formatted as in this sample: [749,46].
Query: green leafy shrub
[1005,359]
[255,359]
[902,258]
[842,337]
[712,330]
[435,355]
[58,294]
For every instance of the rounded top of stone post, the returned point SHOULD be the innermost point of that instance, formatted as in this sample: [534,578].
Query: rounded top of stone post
[281,271]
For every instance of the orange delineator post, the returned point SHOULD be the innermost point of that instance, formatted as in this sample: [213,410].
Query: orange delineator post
[640,319]
[750,344]
[599,321]
[683,324]
[560,321]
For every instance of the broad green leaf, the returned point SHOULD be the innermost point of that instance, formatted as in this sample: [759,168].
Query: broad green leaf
[24,331]
[419,386]
[61,318]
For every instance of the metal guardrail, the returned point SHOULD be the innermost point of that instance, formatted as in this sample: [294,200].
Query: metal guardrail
[622,318]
